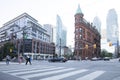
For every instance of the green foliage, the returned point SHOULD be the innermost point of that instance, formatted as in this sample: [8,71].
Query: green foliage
[1,53]
[55,55]
[105,53]
[68,56]
[1,56]
[110,55]
[7,49]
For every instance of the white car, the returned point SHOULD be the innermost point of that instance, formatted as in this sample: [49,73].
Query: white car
[94,59]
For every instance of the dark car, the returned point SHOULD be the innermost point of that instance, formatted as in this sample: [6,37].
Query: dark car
[57,60]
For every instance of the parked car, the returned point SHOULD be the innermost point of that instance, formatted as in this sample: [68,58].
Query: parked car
[106,58]
[100,58]
[57,60]
[94,59]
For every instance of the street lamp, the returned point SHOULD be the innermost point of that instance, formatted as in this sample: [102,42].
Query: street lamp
[24,35]
[118,48]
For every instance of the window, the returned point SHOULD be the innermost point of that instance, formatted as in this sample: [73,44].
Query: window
[80,30]
[33,34]
[81,46]
[76,36]
[40,33]
[80,19]
[34,30]
[76,29]
[80,36]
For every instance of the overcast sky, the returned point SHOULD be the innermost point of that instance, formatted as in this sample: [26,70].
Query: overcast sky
[45,11]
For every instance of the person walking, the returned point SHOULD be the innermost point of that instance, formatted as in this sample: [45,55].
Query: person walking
[7,59]
[20,59]
[28,60]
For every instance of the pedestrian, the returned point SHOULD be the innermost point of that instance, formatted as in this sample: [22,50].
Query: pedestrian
[28,60]
[20,59]
[7,59]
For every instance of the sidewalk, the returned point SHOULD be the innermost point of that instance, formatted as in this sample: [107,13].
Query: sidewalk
[3,62]
[114,60]
[118,78]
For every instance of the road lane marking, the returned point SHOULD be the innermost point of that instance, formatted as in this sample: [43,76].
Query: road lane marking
[61,76]
[45,73]
[91,76]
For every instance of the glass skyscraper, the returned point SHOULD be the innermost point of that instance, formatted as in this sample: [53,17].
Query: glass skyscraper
[97,23]
[61,34]
[112,26]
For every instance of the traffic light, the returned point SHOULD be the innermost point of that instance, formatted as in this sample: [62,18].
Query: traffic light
[110,43]
[94,46]
[86,46]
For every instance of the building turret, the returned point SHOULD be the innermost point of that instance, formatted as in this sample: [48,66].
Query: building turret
[79,11]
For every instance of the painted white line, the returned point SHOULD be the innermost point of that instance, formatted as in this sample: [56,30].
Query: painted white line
[58,77]
[45,73]
[26,72]
[17,69]
[10,68]
[91,76]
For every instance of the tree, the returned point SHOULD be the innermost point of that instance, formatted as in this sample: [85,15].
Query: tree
[105,53]
[110,54]
[1,53]
[8,49]
[55,55]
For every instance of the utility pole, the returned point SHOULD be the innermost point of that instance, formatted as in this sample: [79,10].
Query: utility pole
[60,47]
[117,32]
[24,35]
[118,48]
[23,39]
[18,51]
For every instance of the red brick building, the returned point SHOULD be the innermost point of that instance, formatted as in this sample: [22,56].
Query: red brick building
[87,38]
[36,48]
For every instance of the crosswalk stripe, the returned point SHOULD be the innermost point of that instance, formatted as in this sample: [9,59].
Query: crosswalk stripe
[45,73]
[10,71]
[91,76]
[8,68]
[40,71]
[19,73]
[58,77]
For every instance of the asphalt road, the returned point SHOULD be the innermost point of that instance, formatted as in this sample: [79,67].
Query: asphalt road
[70,70]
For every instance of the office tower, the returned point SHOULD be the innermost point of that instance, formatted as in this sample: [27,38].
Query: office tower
[112,26]
[97,23]
[61,35]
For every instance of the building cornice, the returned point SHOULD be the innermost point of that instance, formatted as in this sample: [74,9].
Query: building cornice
[19,17]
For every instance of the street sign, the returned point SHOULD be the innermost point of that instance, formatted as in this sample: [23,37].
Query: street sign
[114,44]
